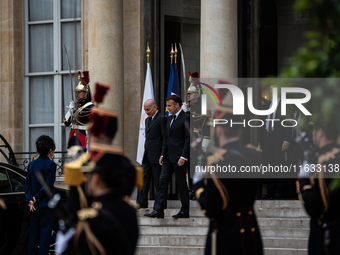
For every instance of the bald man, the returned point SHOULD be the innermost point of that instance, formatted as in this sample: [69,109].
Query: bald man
[155,139]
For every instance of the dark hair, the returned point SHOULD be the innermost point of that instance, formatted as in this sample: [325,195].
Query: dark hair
[44,144]
[176,99]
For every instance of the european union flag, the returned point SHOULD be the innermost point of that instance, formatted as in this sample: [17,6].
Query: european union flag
[171,80]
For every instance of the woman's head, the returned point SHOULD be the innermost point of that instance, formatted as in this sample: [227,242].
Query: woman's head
[44,145]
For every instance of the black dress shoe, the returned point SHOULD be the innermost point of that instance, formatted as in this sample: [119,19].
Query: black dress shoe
[144,206]
[181,215]
[155,214]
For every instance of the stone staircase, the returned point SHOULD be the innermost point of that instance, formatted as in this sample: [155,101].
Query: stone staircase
[284,227]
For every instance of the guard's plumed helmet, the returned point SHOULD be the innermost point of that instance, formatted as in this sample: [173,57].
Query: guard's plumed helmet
[83,84]
[193,87]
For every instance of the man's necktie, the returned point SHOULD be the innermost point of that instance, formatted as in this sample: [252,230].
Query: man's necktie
[173,119]
[149,121]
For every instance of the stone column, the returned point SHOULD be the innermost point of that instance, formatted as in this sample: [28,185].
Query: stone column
[219,39]
[105,54]
[11,73]
[134,75]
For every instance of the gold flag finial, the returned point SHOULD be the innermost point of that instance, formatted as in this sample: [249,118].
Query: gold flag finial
[172,52]
[176,53]
[148,54]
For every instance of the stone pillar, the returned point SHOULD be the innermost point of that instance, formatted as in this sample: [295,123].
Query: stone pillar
[219,39]
[134,75]
[11,73]
[105,54]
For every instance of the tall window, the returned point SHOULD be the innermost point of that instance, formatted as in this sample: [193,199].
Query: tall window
[50,26]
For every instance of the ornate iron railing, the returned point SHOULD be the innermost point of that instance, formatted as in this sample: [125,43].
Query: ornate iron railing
[24,158]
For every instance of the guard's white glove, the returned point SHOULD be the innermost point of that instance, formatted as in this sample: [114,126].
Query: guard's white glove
[71,106]
[184,107]
[63,239]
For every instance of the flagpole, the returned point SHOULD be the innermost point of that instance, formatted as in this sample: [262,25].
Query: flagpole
[148,94]
[148,54]
[176,53]
[172,53]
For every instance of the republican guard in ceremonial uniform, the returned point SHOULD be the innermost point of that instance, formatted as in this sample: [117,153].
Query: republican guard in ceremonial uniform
[228,202]
[109,224]
[319,191]
[77,115]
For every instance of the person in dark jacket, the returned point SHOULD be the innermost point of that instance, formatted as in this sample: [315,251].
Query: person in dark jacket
[41,216]
[155,138]
[228,202]
[321,201]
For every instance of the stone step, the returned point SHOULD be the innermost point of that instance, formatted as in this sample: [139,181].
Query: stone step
[194,212]
[281,242]
[169,250]
[281,213]
[173,230]
[285,232]
[278,204]
[279,223]
[285,251]
[169,221]
[259,204]
[161,240]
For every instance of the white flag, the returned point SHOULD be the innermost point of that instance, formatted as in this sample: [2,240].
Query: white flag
[148,94]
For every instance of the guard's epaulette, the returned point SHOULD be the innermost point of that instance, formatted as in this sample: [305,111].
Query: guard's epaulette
[90,212]
[217,157]
[250,146]
[329,155]
[87,213]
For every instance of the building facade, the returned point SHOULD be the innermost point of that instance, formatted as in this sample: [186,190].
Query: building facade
[220,39]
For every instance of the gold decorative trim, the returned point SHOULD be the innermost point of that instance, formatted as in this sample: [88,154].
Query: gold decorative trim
[199,192]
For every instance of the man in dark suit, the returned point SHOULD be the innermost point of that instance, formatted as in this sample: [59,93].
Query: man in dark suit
[176,153]
[275,143]
[228,202]
[153,149]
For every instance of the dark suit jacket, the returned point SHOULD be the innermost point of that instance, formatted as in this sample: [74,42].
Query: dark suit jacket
[280,133]
[33,188]
[178,138]
[155,138]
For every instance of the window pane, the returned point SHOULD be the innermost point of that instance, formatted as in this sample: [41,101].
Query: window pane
[70,9]
[41,48]
[65,134]
[41,100]
[67,91]
[40,10]
[70,37]
[18,182]
[4,183]
[36,132]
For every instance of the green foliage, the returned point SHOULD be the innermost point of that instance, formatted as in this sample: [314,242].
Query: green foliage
[320,58]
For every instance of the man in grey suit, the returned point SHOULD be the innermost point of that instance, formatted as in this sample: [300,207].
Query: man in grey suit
[153,149]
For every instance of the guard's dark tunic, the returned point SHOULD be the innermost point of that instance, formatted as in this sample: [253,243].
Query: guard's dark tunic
[323,207]
[114,224]
[237,228]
